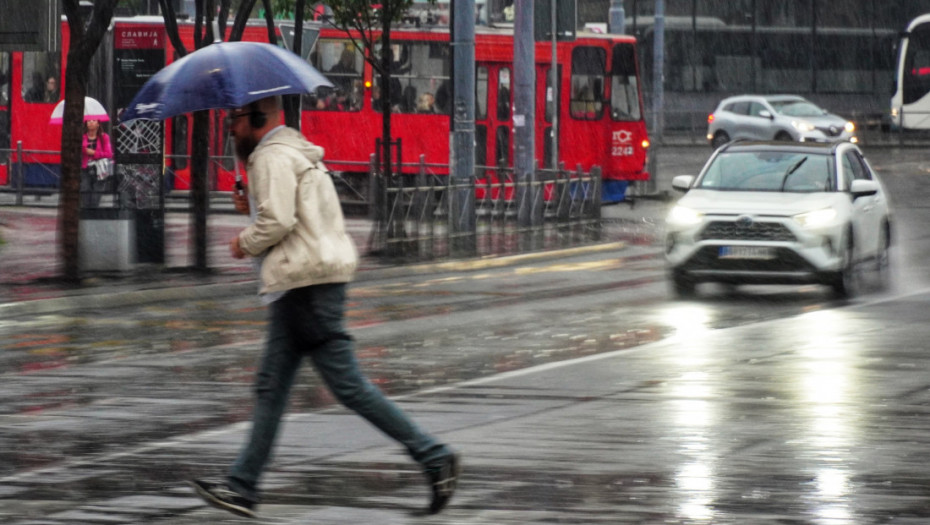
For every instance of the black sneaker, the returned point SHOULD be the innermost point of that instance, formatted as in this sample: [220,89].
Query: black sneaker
[443,480]
[222,496]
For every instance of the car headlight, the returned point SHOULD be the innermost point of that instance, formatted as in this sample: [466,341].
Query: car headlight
[849,127]
[816,218]
[800,125]
[682,216]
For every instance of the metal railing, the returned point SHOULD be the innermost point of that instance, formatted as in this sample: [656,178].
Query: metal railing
[15,161]
[413,214]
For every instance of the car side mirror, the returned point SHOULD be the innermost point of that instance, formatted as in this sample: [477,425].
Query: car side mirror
[766,114]
[682,183]
[863,188]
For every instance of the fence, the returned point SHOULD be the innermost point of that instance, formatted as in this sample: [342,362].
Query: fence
[414,216]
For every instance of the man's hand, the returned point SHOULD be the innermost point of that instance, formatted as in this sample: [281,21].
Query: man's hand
[235,250]
[241,200]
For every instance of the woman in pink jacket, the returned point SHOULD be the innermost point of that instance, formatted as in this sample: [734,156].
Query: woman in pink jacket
[95,145]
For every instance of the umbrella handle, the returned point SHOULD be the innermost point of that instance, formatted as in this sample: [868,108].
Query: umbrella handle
[239,187]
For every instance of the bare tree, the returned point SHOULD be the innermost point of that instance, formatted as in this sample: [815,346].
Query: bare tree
[86,36]
[200,161]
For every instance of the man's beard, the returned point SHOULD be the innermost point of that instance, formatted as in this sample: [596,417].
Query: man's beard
[244,147]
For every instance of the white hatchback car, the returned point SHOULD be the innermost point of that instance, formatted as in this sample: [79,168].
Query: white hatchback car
[775,117]
[779,213]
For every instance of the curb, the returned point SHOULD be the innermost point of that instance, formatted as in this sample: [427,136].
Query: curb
[105,299]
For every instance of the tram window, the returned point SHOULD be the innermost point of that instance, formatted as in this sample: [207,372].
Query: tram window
[43,70]
[342,63]
[4,79]
[481,93]
[179,139]
[547,148]
[503,94]
[481,145]
[589,66]
[624,88]
[420,78]
[502,146]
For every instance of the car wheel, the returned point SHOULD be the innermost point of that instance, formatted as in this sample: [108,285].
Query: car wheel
[783,135]
[883,258]
[682,285]
[720,139]
[845,280]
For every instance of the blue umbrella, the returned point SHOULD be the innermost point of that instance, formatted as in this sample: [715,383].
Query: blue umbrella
[223,75]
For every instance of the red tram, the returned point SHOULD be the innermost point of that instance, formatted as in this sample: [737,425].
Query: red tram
[599,106]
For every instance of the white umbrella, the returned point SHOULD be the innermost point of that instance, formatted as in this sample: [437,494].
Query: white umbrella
[93,110]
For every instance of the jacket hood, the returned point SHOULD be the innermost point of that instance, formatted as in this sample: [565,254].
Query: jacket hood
[292,138]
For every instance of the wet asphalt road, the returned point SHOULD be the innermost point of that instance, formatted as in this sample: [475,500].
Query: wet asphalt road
[577,390]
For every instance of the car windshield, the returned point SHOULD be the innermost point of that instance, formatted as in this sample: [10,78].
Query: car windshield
[769,171]
[797,108]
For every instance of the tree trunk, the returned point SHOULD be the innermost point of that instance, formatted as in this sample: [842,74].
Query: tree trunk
[83,43]
[70,184]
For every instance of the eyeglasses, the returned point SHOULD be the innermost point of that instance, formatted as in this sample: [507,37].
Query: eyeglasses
[231,119]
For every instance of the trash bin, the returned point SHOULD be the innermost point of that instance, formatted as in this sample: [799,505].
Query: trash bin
[150,235]
[107,233]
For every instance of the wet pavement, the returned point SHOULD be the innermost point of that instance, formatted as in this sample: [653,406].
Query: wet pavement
[818,418]
[576,393]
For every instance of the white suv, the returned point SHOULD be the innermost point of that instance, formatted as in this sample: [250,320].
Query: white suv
[775,117]
[779,213]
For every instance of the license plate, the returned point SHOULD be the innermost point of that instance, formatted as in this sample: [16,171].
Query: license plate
[746,252]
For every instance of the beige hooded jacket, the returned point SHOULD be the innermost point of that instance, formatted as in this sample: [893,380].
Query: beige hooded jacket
[298,219]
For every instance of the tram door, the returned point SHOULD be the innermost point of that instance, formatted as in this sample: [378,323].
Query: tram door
[493,127]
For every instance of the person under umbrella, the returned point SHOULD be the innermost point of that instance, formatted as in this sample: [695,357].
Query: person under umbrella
[305,259]
[95,145]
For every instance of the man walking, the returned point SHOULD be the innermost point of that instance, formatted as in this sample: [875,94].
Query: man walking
[305,258]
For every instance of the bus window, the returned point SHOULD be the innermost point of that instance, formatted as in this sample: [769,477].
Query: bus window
[503,94]
[342,64]
[624,88]
[481,94]
[916,74]
[420,78]
[589,65]
[43,70]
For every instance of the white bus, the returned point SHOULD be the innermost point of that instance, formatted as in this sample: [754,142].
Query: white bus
[910,104]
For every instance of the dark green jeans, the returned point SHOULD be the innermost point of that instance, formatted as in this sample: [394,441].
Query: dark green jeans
[310,322]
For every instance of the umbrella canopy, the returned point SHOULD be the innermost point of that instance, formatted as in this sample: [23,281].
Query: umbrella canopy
[223,75]
[93,110]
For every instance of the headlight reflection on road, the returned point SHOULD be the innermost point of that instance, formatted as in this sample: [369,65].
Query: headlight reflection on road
[695,418]
[826,378]
[688,321]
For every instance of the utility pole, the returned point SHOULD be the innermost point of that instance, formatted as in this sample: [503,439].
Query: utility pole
[554,82]
[524,163]
[462,139]
[658,93]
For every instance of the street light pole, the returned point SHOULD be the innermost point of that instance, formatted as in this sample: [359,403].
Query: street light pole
[462,139]
[658,92]
[524,114]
